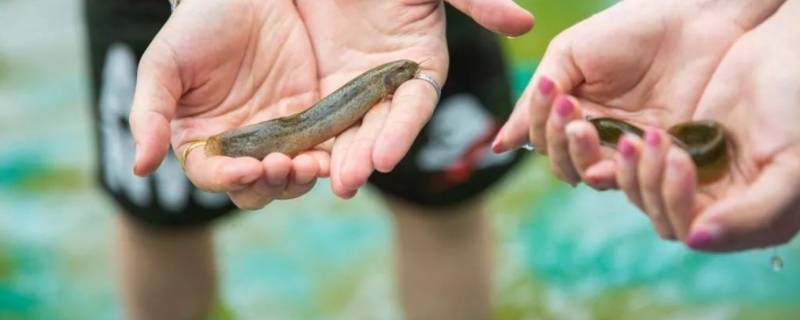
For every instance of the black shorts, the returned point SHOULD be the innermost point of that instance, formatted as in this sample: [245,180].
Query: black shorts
[449,162]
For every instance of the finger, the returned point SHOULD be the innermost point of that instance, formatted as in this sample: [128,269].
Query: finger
[302,177]
[158,89]
[679,188]
[556,74]
[304,169]
[584,151]
[253,197]
[557,142]
[539,107]
[629,150]
[277,174]
[323,160]
[514,132]
[502,16]
[412,106]
[277,167]
[219,173]
[651,171]
[602,175]
[338,156]
[294,190]
[765,214]
[358,164]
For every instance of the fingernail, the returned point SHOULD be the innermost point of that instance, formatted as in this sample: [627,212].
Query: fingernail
[496,145]
[703,238]
[652,137]
[573,183]
[136,155]
[248,180]
[546,86]
[348,195]
[599,182]
[626,149]
[563,106]
[570,180]
[591,179]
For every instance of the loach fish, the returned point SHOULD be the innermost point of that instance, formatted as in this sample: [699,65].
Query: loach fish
[704,141]
[327,118]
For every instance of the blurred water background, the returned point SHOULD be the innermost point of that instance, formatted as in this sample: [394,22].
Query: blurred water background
[562,253]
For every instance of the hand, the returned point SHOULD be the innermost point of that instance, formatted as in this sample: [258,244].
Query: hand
[643,62]
[218,65]
[351,36]
[755,93]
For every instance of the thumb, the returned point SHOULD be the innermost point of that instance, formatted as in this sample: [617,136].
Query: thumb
[158,89]
[766,214]
[514,133]
[502,16]
[556,74]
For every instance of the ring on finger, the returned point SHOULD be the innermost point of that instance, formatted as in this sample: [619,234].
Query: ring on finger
[430,80]
[187,149]
[528,146]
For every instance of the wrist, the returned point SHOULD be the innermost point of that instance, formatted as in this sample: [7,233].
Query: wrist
[747,13]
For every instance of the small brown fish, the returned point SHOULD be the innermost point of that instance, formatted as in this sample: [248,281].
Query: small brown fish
[705,141]
[324,120]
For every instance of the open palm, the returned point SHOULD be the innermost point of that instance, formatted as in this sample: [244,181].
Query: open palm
[756,95]
[350,36]
[646,62]
[218,65]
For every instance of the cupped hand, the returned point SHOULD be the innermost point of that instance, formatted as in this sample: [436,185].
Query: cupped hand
[645,62]
[218,65]
[755,94]
[351,36]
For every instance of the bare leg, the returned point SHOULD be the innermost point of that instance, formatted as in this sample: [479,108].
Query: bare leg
[443,261]
[164,274]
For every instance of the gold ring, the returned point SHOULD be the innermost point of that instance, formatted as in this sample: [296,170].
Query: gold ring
[188,148]
[430,80]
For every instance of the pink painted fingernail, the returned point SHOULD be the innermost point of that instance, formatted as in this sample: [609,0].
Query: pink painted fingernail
[563,106]
[652,137]
[546,85]
[626,149]
[703,238]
